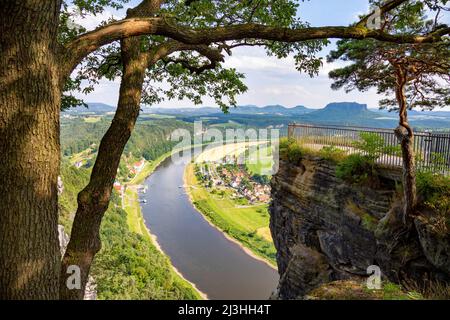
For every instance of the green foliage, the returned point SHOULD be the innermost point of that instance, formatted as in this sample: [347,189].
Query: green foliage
[74,180]
[149,138]
[291,150]
[434,190]
[430,185]
[129,266]
[223,85]
[332,153]
[435,163]
[285,142]
[361,167]
[189,74]
[356,168]
[250,239]
[392,291]
[372,62]
[294,153]
[372,145]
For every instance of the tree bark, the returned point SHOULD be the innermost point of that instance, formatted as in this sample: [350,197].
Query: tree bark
[29,149]
[405,136]
[94,199]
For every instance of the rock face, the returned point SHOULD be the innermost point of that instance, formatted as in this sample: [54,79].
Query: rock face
[325,230]
[91,288]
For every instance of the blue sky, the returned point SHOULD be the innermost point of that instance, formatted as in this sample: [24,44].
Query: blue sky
[269,80]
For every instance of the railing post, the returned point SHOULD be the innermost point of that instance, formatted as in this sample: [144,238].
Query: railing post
[290,131]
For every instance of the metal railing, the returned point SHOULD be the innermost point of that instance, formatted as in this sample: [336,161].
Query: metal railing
[432,149]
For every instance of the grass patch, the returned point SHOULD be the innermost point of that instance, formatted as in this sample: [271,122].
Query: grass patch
[260,161]
[92,119]
[245,223]
[132,207]
[333,154]
[357,290]
[434,191]
[367,221]
[293,150]
[356,168]
[155,116]
[148,169]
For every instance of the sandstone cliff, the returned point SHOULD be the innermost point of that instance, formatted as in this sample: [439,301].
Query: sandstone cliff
[325,230]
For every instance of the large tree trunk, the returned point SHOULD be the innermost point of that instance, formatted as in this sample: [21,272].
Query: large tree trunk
[93,200]
[405,135]
[29,149]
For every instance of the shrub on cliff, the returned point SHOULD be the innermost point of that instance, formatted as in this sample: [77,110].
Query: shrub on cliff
[333,154]
[434,193]
[294,153]
[357,168]
[291,150]
[361,167]
[373,146]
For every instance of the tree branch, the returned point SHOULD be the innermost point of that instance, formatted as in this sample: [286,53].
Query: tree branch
[169,47]
[88,42]
[388,6]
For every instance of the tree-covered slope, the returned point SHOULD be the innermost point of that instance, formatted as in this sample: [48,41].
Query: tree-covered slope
[129,266]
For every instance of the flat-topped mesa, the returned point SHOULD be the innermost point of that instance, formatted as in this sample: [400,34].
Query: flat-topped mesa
[325,229]
[347,106]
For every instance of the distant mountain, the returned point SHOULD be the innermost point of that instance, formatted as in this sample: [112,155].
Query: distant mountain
[300,110]
[200,111]
[93,107]
[271,109]
[349,113]
[416,113]
[337,113]
[246,109]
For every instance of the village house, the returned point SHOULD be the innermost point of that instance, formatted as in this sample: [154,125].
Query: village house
[118,187]
[138,166]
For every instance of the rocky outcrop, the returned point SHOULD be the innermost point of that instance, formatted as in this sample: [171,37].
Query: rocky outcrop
[326,230]
[91,288]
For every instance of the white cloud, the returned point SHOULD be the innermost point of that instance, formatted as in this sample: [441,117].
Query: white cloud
[247,63]
[270,80]
[91,21]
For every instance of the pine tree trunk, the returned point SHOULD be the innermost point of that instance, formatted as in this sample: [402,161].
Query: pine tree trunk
[29,149]
[405,136]
[409,171]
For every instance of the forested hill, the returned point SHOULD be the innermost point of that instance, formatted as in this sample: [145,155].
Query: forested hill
[128,266]
[148,140]
[342,113]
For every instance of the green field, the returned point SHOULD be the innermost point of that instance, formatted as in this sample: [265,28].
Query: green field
[249,224]
[260,161]
[92,119]
[148,169]
[135,219]
[155,116]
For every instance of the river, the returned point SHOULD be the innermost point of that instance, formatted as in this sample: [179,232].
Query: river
[218,267]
